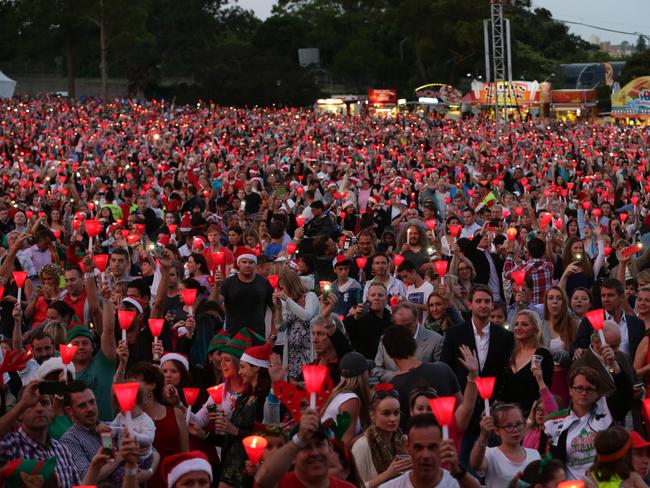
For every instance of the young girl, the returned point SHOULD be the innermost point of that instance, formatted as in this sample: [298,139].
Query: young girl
[540,474]
[613,466]
[143,431]
[500,464]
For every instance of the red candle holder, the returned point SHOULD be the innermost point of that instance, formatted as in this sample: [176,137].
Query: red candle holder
[519,276]
[361,262]
[67,352]
[399,259]
[511,233]
[300,220]
[93,227]
[255,446]
[127,394]
[441,267]
[454,230]
[101,261]
[139,228]
[291,248]
[571,484]
[19,278]
[217,258]
[443,410]
[189,297]
[485,387]
[314,375]
[596,318]
[125,320]
[431,224]
[216,393]
[172,228]
[155,326]
[273,279]
[190,394]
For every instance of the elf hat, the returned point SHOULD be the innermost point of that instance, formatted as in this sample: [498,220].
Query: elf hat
[27,472]
[178,465]
[258,356]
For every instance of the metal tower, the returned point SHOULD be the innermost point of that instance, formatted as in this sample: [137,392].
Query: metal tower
[497,54]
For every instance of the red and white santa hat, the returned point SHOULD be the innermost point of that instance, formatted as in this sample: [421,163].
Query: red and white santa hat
[181,358]
[258,355]
[178,465]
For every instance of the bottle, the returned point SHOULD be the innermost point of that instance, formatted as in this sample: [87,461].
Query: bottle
[271,410]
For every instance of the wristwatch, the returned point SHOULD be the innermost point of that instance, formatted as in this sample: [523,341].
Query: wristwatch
[459,474]
[298,441]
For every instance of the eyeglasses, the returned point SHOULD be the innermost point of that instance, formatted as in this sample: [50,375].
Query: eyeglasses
[584,389]
[513,427]
[460,269]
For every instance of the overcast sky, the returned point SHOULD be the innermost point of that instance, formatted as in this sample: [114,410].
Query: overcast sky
[620,15]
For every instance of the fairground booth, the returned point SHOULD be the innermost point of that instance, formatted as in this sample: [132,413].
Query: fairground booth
[441,98]
[516,100]
[569,105]
[631,104]
[382,102]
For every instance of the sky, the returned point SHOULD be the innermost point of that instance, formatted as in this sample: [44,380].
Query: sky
[621,15]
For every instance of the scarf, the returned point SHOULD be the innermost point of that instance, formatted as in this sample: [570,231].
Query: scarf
[384,452]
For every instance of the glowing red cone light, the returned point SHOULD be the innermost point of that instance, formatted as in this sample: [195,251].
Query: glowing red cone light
[571,484]
[441,267]
[67,352]
[254,446]
[597,317]
[431,224]
[511,233]
[92,229]
[273,279]
[217,258]
[519,276]
[190,394]
[291,248]
[101,261]
[189,297]
[300,220]
[399,259]
[172,228]
[125,319]
[443,410]
[216,393]
[485,387]
[155,326]
[454,229]
[314,375]
[19,278]
[361,262]
[127,394]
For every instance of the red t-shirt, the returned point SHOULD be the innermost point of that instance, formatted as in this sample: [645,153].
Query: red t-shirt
[77,303]
[291,481]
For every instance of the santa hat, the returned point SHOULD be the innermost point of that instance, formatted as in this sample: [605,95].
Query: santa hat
[373,200]
[199,242]
[136,302]
[341,260]
[177,357]
[178,465]
[247,255]
[54,364]
[258,355]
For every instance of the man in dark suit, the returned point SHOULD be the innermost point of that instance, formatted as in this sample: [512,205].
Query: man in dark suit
[493,346]
[488,265]
[612,295]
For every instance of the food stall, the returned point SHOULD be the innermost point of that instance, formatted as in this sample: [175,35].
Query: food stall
[441,98]
[382,102]
[516,100]
[341,104]
[631,104]
[569,105]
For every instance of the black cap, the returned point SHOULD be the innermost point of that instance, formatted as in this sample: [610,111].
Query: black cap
[353,364]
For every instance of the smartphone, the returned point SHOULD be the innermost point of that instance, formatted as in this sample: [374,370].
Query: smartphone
[52,388]
[365,310]
[347,243]
[577,257]
[211,408]
[107,443]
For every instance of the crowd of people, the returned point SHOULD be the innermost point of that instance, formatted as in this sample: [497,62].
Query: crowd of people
[207,255]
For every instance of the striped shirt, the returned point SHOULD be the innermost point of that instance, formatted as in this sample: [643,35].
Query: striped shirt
[82,444]
[18,445]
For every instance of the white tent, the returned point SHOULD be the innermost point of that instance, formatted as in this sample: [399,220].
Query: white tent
[7,86]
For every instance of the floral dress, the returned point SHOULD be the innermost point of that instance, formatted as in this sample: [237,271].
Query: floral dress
[298,347]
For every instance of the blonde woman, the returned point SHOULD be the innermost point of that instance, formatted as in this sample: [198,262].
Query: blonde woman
[518,384]
[48,292]
[57,331]
[295,306]
[351,395]
[464,270]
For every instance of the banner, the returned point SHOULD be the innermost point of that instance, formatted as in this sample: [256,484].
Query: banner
[510,94]
[382,96]
[633,99]
[443,93]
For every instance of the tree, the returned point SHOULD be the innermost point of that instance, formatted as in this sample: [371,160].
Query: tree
[641,44]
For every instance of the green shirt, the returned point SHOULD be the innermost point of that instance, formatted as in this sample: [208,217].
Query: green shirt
[98,375]
[60,426]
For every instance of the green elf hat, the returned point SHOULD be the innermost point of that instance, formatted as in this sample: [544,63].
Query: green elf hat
[241,341]
[75,321]
[219,340]
[27,473]
[79,330]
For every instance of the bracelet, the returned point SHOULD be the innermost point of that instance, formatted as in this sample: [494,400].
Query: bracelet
[130,471]
[89,275]
[298,441]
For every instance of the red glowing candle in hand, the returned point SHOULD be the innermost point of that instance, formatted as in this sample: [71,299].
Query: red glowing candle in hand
[511,233]
[571,484]
[314,376]
[273,279]
[125,319]
[300,220]
[441,267]
[485,388]
[67,352]
[127,394]
[92,229]
[291,248]
[443,410]
[597,317]
[399,259]
[216,393]
[254,446]
[519,276]
[361,263]
[190,394]
[454,229]
[189,297]
[19,278]
[101,261]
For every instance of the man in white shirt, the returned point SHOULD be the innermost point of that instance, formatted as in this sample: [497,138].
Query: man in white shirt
[429,452]
[418,290]
[471,227]
[381,275]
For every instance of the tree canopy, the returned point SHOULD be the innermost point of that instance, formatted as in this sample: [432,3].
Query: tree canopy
[235,58]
